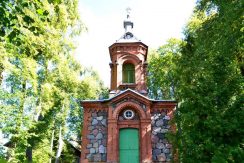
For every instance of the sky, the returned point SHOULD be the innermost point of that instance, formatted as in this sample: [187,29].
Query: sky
[155,21]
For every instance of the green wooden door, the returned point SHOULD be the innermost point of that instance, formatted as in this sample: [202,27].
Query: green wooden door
[129,145]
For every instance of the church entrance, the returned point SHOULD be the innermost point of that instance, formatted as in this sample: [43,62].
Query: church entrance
[129,145]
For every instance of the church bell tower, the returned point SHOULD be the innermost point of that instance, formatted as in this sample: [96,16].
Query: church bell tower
[128,61]
[128,127]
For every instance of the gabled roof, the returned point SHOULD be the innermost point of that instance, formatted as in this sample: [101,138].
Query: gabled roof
[125,92]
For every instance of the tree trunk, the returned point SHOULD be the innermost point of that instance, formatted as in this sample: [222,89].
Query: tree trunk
[51,146]
[28,151]
[60,146]
[1,73]
[29,154]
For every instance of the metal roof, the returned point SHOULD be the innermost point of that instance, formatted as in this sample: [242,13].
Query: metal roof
[128,90]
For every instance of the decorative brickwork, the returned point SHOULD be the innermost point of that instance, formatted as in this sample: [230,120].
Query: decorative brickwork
[122,118]
[127,107]
[102,125]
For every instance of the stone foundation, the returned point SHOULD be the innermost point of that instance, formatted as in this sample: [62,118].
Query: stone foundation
[97,137]
[161,149]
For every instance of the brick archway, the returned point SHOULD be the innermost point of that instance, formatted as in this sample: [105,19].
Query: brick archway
[129,104]
[143,125]
[133,59]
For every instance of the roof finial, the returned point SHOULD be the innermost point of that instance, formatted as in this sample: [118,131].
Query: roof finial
[128,24]
[128,10]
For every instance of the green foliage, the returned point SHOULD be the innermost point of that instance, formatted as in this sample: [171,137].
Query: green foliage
[41,83]
[210,85]
[161,70]
[69,153]
[206,70]
[41,151]
[2,160]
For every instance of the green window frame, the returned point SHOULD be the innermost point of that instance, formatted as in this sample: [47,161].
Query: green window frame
[128,73]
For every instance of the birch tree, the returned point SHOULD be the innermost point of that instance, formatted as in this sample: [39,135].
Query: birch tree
[39,75]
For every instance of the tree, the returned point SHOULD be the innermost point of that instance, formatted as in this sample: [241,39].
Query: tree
[210,88]
[41,83]
[161,70]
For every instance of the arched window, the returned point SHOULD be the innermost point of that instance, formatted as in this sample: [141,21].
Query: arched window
[128,73]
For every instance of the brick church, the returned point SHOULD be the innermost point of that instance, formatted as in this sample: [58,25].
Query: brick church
[129,127]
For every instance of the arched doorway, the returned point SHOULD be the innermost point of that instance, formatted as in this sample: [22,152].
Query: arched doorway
[129,145]
[129,117]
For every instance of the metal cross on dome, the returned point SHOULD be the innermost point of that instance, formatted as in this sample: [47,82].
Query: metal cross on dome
[128,10]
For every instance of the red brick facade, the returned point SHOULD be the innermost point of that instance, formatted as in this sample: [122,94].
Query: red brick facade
[103,118]
[135,53]
[114,106]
